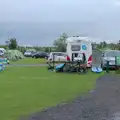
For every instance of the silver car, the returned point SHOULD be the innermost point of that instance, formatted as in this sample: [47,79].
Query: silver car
[109,55]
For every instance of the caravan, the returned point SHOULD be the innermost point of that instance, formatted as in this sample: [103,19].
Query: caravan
[78,45]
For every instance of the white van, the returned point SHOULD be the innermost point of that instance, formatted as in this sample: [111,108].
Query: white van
[78,45]
[58,56]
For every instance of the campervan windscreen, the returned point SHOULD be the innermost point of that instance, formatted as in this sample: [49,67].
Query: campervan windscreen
[75,47]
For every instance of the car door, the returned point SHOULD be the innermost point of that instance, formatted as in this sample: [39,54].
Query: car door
[44,55]
[38,55]
[56,56]
[41,55]
[61,57]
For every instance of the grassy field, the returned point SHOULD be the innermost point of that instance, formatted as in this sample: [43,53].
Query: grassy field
[29,61]
[24,90]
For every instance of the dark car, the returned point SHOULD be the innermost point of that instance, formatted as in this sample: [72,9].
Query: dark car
[40,55]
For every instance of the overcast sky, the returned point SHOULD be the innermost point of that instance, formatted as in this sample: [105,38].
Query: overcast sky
[58,10]
[39,12]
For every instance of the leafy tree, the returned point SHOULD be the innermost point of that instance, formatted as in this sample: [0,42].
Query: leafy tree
[60,43]
[118,45]
[104,44]
[3,46]
[113,46]
[37,48]
[47,49]
[50,49]
[13,43]
[21,49]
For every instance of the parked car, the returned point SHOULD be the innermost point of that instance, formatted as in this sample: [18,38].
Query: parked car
[40,55]
[28,53]
[109,55]
[58,56]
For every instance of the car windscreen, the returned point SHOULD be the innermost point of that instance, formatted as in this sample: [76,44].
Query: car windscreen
[112,54]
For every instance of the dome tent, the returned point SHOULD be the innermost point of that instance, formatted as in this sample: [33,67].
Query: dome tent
[13,55]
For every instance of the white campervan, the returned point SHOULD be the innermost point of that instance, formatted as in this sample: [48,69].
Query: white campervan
[78,45]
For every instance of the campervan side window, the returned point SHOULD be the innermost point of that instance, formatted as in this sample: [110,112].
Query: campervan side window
[75,47]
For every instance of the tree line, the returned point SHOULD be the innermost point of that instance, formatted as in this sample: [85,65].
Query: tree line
[58,45]
[111,46]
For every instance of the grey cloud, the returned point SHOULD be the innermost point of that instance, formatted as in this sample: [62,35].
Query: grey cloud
[56,10]
[42,21]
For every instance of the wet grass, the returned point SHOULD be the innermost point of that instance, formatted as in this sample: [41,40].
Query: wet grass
[30,61]
[24,90]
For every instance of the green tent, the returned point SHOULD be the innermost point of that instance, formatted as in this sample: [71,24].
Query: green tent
[13,55]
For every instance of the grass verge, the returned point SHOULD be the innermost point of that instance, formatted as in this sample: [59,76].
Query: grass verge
[24,90]
[29,61]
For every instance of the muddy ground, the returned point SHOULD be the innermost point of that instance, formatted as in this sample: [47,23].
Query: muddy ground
[103,103]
